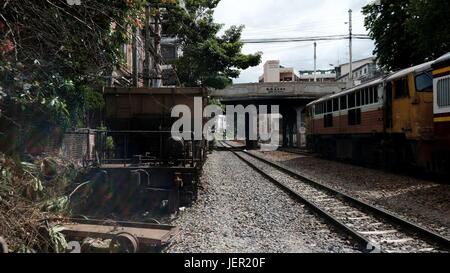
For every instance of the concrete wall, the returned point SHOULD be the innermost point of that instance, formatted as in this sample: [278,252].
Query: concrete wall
[307,90]
[345,68]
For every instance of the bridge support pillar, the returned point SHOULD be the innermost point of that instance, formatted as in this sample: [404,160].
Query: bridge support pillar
[288,131]
[250,144]
[301,136]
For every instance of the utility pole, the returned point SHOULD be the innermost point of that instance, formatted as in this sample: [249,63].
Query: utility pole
[315,62]
[350,47]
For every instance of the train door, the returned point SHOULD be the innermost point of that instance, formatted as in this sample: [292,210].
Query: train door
[421,87]
[401,107]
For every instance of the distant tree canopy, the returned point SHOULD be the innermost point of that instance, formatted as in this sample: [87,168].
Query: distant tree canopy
[408,32]
[209,59]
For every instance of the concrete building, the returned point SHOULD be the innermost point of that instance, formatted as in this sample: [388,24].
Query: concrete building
[274,72]
[320,76]
[170,51]
[363,70]
[131,71]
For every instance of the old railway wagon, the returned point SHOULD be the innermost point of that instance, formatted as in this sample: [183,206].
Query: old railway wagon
[141,166]
[388,121]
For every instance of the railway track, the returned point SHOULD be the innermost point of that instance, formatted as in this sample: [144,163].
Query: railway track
[375,229]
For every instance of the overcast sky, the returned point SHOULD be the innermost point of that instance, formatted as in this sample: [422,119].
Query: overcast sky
[296,18]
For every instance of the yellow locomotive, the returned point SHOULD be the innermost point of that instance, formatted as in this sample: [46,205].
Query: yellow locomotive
[402,119]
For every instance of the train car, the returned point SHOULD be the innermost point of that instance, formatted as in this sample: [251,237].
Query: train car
[441,111]
[140,165]
[409,137]
[340,125]
[388,121]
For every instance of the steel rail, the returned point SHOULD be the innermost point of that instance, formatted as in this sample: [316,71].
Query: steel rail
[364,242]
[381,212]
[407,225]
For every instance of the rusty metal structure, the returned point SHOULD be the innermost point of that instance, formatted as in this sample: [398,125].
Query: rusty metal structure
[138,163]
[126,237]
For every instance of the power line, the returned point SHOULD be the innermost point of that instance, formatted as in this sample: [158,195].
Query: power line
[305,39]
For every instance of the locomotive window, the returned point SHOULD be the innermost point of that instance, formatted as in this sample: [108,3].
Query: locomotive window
[343,102]
[401,88]
[375,94]
[358,98]
[335,105]
[329,106]
[371,95]
[328,121]
[351,100]
[354,116]
[321,108]
[367,95]
[443,92]
[424,82]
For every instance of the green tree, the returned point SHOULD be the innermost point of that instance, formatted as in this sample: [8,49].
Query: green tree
[408,32]
[387,27]
[209,59]
[429,22]
[54,57]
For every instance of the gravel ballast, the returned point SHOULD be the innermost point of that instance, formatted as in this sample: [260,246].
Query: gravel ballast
[240,211]
[420,201]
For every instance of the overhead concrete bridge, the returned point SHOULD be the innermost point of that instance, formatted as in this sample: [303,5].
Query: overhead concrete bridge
[292,97]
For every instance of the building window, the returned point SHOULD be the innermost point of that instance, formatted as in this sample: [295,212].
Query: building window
[354,117]
[328,121]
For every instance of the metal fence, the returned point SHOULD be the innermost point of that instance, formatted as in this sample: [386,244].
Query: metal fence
[78,146]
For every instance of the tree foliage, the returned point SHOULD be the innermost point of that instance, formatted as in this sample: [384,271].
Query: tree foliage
[209,59]
[54,59]
[408,32]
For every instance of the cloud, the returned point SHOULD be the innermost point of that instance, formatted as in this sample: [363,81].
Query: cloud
[296,18]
